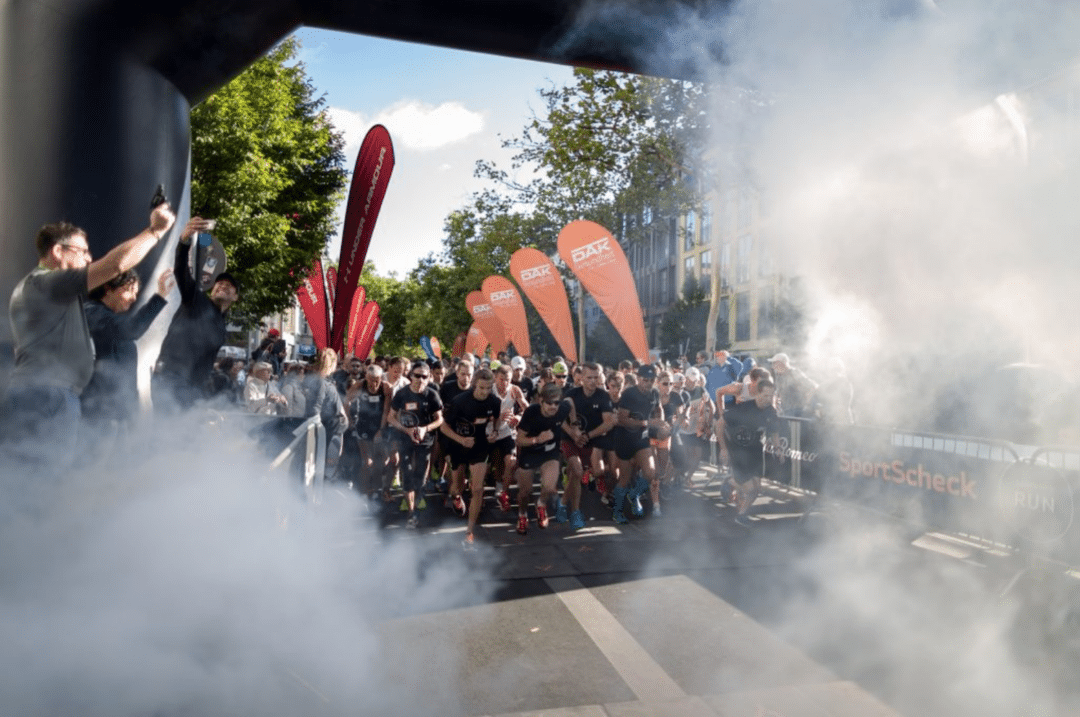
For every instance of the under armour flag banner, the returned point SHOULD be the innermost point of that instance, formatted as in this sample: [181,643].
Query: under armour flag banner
[358,300]
[436,348]
[312,298]
[540,280]
[506,303]
[600,265]
[369,325]
[331,286]
[485,318]
[374,164]
[475,341]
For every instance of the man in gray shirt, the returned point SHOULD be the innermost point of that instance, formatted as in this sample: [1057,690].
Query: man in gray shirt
[54,354]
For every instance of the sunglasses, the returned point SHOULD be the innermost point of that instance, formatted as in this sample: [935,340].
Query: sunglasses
[421,375]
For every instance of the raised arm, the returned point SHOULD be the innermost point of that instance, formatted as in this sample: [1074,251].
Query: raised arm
[128,254]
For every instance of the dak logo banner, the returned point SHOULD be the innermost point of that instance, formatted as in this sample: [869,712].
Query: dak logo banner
[507,305]
[540,280]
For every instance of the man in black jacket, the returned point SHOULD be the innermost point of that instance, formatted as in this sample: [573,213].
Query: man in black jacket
[197,331]
[112,394]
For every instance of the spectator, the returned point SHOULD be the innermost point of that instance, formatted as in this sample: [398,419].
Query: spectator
[54,353]
[272,350]
[725,370]
[794,389]
[224,380]
[113,393]
[293,391]
[197,332]
[261,395]
[322,399]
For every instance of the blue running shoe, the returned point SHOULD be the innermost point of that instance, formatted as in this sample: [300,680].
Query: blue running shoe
[635,506]
[617,506]
[577,520]
[560,514]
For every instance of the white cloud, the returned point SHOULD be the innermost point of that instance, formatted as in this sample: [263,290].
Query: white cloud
[412,124]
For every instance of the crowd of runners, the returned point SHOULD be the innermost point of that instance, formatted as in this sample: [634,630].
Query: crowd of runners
[408,430]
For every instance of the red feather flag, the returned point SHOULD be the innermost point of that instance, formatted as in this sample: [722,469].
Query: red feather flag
[369,324]
[331,286]
[312,298]
[374,165]
[354,316]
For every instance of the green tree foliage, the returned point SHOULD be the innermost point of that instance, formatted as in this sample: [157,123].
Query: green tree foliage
[267,164]
[685,320]
[609,144]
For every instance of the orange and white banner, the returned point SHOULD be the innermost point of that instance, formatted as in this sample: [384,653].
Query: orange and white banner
[436,348]
[506,302]
[540,280]
[475,341]
[484,316]
[600,265]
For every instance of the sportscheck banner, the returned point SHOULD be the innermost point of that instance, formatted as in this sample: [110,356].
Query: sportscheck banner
[312,298]
[369,325]
[374,164]
[505,301]
[540,280]
[600,265]
[484,316]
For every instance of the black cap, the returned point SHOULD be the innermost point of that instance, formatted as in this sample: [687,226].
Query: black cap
[646,371]
[226,276]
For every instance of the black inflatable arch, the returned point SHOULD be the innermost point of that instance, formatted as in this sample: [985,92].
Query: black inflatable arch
[95,94]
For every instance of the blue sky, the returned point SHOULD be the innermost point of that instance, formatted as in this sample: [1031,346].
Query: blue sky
[445,109]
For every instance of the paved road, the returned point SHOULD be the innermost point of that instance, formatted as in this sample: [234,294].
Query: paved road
[653,618]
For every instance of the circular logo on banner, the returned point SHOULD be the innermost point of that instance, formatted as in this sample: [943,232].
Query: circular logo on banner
[1037,501]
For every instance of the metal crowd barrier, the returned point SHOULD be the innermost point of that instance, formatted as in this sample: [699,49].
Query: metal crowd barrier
[310,439]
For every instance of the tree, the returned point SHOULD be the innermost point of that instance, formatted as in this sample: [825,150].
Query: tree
[268,165]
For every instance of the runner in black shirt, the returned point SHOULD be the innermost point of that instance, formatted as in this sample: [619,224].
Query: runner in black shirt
[460,382]
[637,404]
[369,410]
[471,421]
[415,411]
[747,428]
[538,435]
[593,416]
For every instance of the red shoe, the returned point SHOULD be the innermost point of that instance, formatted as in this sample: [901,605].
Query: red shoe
[523,524]
[541,517]
[504,501]
[459,506]
[601,485]
[468,543]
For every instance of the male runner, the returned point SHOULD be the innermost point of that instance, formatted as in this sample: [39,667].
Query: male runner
[593,416]
[415,411]
[538,435]
[473,418]
[637,404]
[747,428]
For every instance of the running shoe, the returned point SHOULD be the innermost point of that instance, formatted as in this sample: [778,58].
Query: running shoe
[541,517]
[601,485]
[468,543]
[656,513]
[635,506]
[560,514]
[619,517]
[523,524]
[504,501]
[413,522]
[577,520]
[459,506]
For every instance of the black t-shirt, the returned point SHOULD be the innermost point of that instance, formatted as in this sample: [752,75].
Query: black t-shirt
[590,409]
[745,424]
[533,423]
[527,386]
[469,417]
[449,390]
[366,411]
[417,409]
[641,406]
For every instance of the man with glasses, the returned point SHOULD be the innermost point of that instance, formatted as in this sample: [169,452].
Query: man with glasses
[54,353]
[538,436]
[472,420]
[415,411]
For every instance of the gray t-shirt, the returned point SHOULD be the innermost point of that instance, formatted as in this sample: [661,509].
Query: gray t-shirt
[52,339]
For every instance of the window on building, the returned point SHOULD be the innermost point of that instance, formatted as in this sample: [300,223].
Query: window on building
[661,287]
[746,207]
[673,244]
[724,271]
[742,258]
[706,226]
[688,268]
[691,226]
[742,316]
[646,216]
[723,322]
[766,312]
